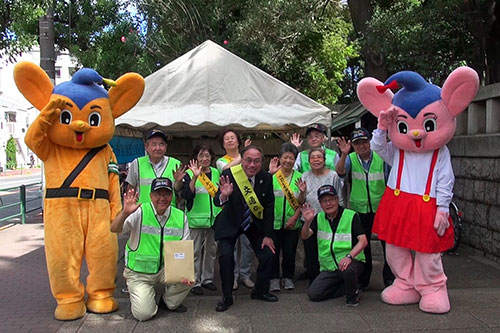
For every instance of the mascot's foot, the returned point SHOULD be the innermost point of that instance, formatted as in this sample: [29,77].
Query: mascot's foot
[105,305]
[437,302]
[397,296]
[70,311]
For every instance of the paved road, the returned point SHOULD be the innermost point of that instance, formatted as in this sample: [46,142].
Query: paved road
[26,304]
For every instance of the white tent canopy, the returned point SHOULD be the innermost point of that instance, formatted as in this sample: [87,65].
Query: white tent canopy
[209,87]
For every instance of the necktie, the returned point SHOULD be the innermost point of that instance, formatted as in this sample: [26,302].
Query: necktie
[247,217]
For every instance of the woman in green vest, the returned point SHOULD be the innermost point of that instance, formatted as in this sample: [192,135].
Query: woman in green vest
[287,200]
[340,240]
[230,141]
[199,187]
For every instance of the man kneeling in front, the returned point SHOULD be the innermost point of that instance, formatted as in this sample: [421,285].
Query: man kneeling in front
[149,226]
[341,241]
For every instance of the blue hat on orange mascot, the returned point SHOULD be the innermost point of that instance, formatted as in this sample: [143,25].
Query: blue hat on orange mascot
[83,87]
[416,93]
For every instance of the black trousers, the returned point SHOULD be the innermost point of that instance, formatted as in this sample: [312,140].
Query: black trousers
[337,283]
[226,261]
[311,257]
[285,241]
[364,278]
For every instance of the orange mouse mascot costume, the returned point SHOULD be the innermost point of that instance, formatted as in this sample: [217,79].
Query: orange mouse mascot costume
[70,136]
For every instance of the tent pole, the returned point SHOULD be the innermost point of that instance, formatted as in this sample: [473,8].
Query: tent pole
[329,133]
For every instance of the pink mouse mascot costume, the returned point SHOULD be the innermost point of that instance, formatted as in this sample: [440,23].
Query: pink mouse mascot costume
[413,213]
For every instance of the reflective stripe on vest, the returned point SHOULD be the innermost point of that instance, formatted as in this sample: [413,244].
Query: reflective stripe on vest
[147,175]
[203,211]
[148,256]
[341,244]
[281,204]
[329,160]
[366,187]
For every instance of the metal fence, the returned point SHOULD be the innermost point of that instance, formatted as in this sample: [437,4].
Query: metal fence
[35,188]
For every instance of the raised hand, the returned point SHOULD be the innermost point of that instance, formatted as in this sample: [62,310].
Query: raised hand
[225,186]
[194,167]
[130,203]
[296,140]
[386,118]
[179,173]
[344,145]
[307,212]
[273,165]
[53,109]
[248,142]
[301,185]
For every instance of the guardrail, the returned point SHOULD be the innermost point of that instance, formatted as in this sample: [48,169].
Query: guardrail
[22,203]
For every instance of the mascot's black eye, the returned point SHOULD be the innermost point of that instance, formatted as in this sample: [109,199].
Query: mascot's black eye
[65,117]
[94,119]
[402,127]
[430,125]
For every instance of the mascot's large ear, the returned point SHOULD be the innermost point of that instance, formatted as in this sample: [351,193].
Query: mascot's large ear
[459,89]
[127,92]
[33,83]
[371,98]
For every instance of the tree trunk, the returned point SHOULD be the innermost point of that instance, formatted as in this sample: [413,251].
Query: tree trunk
[361,13]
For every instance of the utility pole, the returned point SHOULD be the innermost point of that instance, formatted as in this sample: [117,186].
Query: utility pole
[47,52]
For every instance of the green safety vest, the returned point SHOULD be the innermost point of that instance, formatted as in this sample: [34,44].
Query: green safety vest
[367,188]
[329,160]
[148,257]
[331,249]
[282,209]
[203,212]
[147,174]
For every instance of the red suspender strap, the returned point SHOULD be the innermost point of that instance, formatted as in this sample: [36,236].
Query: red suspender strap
[400,172]
[426,196]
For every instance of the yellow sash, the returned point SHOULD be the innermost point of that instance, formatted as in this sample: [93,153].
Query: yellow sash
[287,191]
[207,183]
[228,158]
[246,189]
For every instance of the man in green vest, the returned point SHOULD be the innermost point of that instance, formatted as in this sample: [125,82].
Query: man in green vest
[155,164]
[368,179]
[341,240]
[316,136]
[150,225]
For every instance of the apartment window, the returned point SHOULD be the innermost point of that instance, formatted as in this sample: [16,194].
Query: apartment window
[10,117]
[58,72]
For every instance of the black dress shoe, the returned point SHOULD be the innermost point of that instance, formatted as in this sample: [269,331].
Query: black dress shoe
[197,290]
[265,297]
[209,286]
[224,304]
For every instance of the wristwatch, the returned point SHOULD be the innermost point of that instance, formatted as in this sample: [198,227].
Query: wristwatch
[349,256]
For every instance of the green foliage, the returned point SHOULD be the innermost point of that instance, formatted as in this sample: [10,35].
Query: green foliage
[429,37]
[10,151]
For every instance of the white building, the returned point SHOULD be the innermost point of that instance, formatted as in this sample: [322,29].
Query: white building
[16,113]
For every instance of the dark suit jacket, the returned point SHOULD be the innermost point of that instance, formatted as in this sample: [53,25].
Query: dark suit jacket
[227,223]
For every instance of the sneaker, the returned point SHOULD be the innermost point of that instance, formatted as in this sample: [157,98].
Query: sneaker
[235,284]
[274,285]
[353,300]
[248,283]
[288,284]
[209,286]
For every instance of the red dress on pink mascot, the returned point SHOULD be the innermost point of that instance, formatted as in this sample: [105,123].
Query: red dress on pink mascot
[413,213]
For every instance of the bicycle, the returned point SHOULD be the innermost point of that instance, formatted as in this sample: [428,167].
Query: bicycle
[456,223]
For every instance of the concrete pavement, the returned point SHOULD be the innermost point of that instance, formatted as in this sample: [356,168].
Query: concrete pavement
[26,304]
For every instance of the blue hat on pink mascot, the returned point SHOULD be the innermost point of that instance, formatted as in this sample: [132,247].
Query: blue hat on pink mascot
[416,93]
[83,87]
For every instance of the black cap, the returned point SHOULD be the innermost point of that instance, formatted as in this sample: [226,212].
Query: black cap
[159,183]
[316,127]
[155,132]
[359,134]
[326,189]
